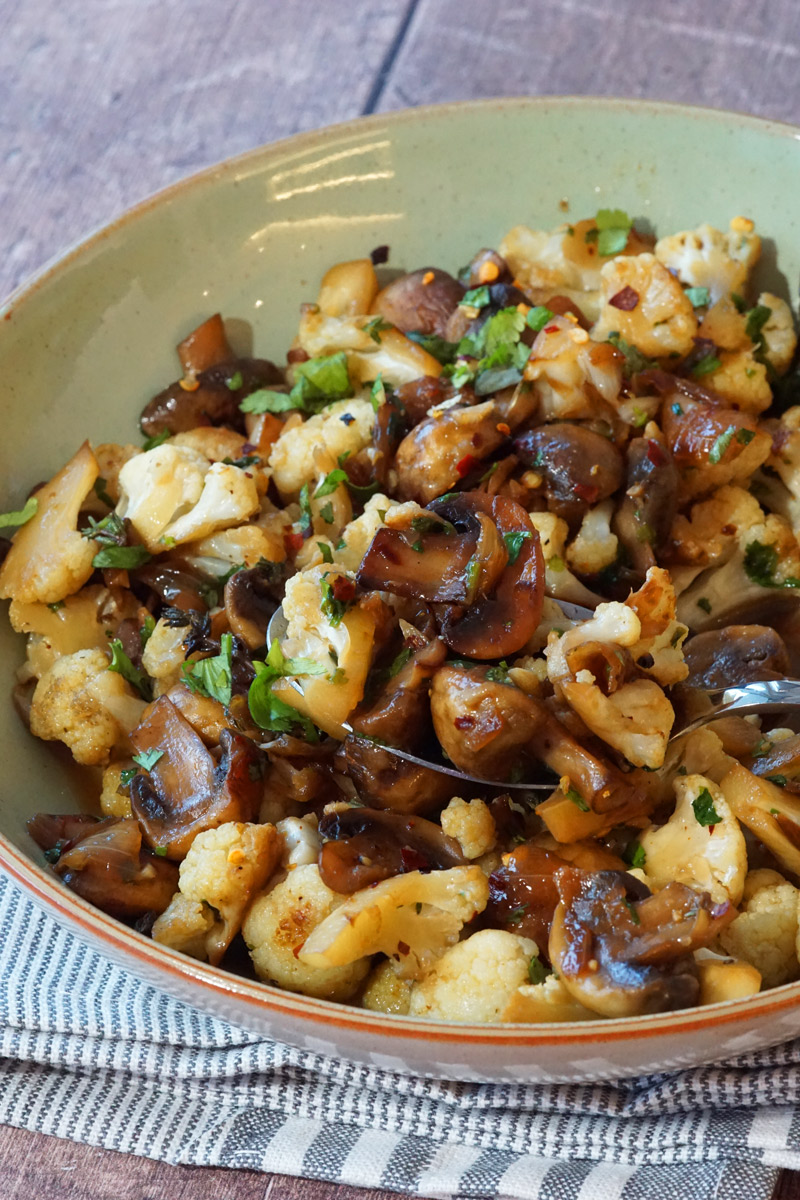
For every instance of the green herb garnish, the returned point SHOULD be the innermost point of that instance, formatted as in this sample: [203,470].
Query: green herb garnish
[22,515]
[318,382]
[148,758]
[703,808]
[212,676]
[124,667]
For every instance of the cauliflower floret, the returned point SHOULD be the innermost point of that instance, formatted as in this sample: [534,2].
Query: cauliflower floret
[411,918]
[80,622]
[213,442]
[471,824]
[662,636]
[725,978]
[560,583]
[301,841]
[394,357]
[229,497]
[709,858]
[245,546]
[386,991]
[545,1001]
[661,322]
[348,288]
[360,532]
[79,702]
[706,257]
[164,654]
[111,458]
[767,556]
[780,338]
[637,717]
[114,802]
[765,933]
[538,260]
[278,925]
[594,546]
[49,559]
[345,649]
[157,486]
[708,535]
[742,380]
[222,871]
[474,980]
[573,377]
[344,427]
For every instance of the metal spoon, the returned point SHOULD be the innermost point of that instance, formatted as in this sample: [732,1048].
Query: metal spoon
[762,696]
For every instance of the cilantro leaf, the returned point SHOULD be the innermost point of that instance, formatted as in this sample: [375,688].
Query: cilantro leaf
[698,297]
[331,482]
[703,808]
[123,558]
[477,297]
[443,351]
[212,676]
[318,382]
[611,235]
[22,515]
[376,327]
[721,444]
[377,395]
[157,439]
[708,363]
[756,320]
[537,971]
[124,667]
[269,711]
[577,799]
[336,598]
[760,564]
[280,665]
[100,491]
[635,361]
[538,317]
[325,551]
[399,662]
[634,855]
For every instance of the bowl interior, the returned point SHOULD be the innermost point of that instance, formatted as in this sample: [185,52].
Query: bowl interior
[85,346]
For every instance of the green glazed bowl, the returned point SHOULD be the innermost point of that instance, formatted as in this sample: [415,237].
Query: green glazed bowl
[86,344]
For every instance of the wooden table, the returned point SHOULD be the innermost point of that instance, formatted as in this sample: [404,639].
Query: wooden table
[104,101]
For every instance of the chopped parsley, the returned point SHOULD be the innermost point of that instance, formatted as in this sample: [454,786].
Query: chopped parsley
[212,676]
[377,394]
[635,361]
[631,907]
[22,515]
[112,535]
[100,491]
[778,780]
[516,914]
[400,662]
[157,439]
[498,673]
[760,564]
[337,597]
[634,855]
[235,382]
[325,551]
[147,759]
[704,603]
[514,542]
[698,297]
[537,971]
[577,799]
[538,317]
[754,328]
[745,436]
[376,327]
[318,382]
[326,512]
[432,525]
[721,444]
[703,808]
[500,354]
[126,775]
[270,712]
[708,363]
[331,482]
[124,667]
[146,629]
[477,297]
[611,234]
[443,351]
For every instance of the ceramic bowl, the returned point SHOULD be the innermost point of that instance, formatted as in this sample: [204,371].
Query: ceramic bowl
[89,341]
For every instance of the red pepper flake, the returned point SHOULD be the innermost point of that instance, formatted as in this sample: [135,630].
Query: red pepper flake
[711,829]
[728,530]
[343,589]
[552,329]
[656,454]
[292,541]
[464,722]
[412,860]
[296,949]
[587,492]
[626,300]
[428,278]
[297,355]
[503,428]
[403,948]
[466,465]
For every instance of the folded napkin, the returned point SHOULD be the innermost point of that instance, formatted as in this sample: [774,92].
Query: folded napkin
[91,1053]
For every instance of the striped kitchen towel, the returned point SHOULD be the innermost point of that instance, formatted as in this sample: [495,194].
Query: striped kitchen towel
[91,1053]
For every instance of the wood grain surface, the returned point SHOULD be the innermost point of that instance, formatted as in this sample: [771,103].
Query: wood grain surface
[105,101]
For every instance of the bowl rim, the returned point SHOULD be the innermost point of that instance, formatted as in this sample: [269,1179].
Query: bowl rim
[93,926]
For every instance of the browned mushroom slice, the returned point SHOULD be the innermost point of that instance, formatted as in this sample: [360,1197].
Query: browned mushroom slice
[523,893]
[644,518]
[184,791]
[579,467]
[108,866]
[385,781]
[621,951]
[735,654]
[214,400]
[205,346]
[400,714]
[249,604]
[420,302]
[420,395]
[173,582]
[54,832]
[444,448]
[712,445]
[487,266]
[362,846]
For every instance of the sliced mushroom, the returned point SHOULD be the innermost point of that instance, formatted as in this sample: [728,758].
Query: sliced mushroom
[579,467]
[420,302]
[214,400]
[249,604]
[361,846]
[106,863]
[173,583]
[735,654]
[622,952]
[423,394]
[712,445]
[523,893]
[184,791]
[385,781]
[644,518]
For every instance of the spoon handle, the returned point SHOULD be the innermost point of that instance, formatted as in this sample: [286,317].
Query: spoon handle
[761,696]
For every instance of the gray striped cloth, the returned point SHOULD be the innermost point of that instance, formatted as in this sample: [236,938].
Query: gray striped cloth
[93,1054]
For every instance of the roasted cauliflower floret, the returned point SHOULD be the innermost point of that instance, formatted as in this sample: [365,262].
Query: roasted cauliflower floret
[573,377]
[360,532]
[742,380]
[411,918]
[765,932]
[244,546]
[475,979]
[114,799]
[538,260]
[79,702]
[545,1001]
[594,546]
[471,824]
[710,857]
[386,991]
[300,841]
[708,535]
[164,654]
[79,622]
[277,926]
[49,559]
[659,650]
[559,580]
[706,257]
[780,337]
[725,978]
[656,317]
[222,871]
[393,356]
[345,648]
[344,427]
